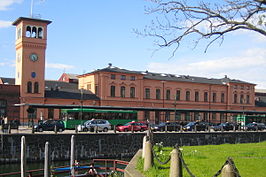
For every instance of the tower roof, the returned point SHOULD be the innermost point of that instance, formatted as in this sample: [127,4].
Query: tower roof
[31,19]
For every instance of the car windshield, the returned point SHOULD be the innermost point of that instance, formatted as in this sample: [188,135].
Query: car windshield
[190,123]
[127,124]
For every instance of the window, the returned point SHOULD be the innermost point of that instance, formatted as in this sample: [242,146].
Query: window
[168,93]
[123,91]
[40,33]
[36,87]
[187,116]
[187,95]
[158,94]
[247,99]
[113,76]
[112,91]
[205,96]
[177,116]
[50,113]
[222,117]
[167,115]
[147,115]
[132,92]
[242,101]
[147,93]
[214,97]
[235,98]
[213,116]
[88,86]
[222,97]
[205,116]
[196,96]
[178,93]
[123,77]
[32,115]
[3,107]
[132,78]
[29,87]
[96,90]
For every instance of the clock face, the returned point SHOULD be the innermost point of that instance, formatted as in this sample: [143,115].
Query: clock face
[33,57]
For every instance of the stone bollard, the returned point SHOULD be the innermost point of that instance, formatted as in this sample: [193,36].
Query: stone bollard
[76,129]
[47,170]
[72,155]
[222,129]
[96,129]
[175,164]
[195,129]
[23,157]
[257,129]
[143,146]
[227,171]
[9,129]
[165,128]
[148,159]
[181,129]
[234,128]
[55,129]
[114,128]
[209,128]
[32,130]
[132,128]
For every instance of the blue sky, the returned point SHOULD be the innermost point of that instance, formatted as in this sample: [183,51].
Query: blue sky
[87,35]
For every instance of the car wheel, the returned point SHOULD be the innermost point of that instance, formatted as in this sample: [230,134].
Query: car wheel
[125,130]
[105,129]
[60,129]
[40,130]
[85,129]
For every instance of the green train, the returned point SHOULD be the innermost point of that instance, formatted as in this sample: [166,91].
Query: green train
[245,119]
[76,116]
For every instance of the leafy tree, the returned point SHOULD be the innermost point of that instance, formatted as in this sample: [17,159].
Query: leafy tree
[209,20]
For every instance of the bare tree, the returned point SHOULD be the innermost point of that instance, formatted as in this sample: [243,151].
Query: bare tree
[177,20]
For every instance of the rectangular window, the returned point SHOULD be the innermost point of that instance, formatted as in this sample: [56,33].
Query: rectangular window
[222,98]
[213,116]
[177,116]
[132,78]
[113,76]
[147,115]
[112,91]
[187,116]
[132,92]
[196,96]
[168,94]
[167,115]
[3,107]
[123,77]
[50,113]
[158,94]
[214,97]
[178,93]
[147,93]
[205,96]
[96,90]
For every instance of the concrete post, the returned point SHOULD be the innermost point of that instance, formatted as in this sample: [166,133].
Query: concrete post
[148,159]
[72,155]
[55,129]
[175,164]
[114,128]
[143,146]
[222,128]
[181,129]
[9,129]
[209,128]
[47,170]
[165,128]
[76,129]
[195,128]
[23,157]
[227,171]
[132,128]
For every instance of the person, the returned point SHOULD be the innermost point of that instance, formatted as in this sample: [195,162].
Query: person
[92,171]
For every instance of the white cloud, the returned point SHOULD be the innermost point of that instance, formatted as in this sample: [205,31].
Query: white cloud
[250,67]
[5,24]
[58,66]
[4,4]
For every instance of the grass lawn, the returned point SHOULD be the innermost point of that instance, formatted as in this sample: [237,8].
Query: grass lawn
[205,161]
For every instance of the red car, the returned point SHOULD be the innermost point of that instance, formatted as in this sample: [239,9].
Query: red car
[137,126]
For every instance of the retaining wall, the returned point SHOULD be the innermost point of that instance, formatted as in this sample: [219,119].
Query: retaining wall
[109,145]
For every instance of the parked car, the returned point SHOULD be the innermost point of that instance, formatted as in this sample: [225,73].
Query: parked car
[201,126]
[254,126]
[49,125]
[171,126]
[91,125]
[225,126]
[136,126]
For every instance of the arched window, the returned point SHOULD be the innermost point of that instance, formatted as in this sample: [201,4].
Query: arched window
[235,98]
[36,87]
[28,31]
[132,92]
[187,95]
[29,87]
[40,33]
[34,32]
[123,91]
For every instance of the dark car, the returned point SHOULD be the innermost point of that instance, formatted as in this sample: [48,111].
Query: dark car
[225,126]
[254,126]
[49,125]
[169,126]
[200,126]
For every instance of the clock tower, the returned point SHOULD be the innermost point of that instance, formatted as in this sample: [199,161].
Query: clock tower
[31,41]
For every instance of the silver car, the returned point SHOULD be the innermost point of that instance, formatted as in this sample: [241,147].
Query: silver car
[94,124]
